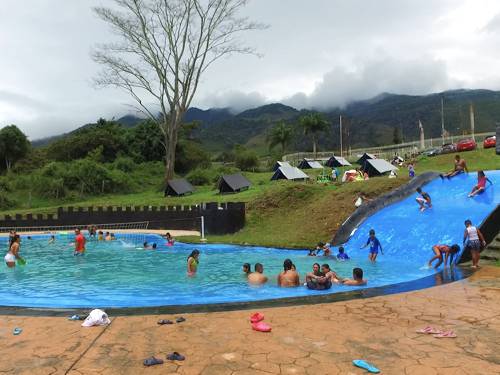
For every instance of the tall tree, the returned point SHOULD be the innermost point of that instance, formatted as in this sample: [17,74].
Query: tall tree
[313,124]
[14,145]
[166,46]
[280,134]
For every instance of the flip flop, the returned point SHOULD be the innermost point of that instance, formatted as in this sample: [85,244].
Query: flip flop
[261,327]
[175,357]
[180,319]
[151,361]
[365,365]
[446,334]
[257,317]
[17,331]
[429,330]
[165,321]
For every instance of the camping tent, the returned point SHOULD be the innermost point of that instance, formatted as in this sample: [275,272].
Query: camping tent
[377,167]
[233,183]
[281,164]
[178,187]
[366,156]
[309,164]
[289,173]
[337,161]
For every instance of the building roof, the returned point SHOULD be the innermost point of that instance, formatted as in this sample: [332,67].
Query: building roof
[289,173]
[281,164]
[308,164]
[378,166]
[337,161]
[364,157]
[234,182]
[178,186]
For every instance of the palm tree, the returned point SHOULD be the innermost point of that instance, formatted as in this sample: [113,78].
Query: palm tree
[313,123]
[280,134]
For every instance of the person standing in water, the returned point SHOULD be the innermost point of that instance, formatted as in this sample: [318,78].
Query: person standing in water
[289,277]
[79,242]
[374,246]
[13,253]
[474,241]
[192,262]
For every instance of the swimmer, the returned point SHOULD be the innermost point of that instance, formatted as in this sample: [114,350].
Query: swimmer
[374,246]
[424,200]
[474,241]
[324,247]
[113,238]
[107,237]
[52,239]
[169,238]
[315,274]
[79,243]
[440,250]
[100,236]
[312,253]
[289,277]
[330,275]
[13,253]
[246,269]
[257,277]
[481,184]
[459,167]
[192,262]
[342,255]
[357,278]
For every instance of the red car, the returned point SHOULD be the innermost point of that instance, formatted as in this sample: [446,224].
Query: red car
[466,145]
[490,141]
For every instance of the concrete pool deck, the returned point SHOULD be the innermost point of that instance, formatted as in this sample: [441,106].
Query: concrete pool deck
[312,339]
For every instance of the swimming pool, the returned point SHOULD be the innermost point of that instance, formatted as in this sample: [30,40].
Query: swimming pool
[122,274]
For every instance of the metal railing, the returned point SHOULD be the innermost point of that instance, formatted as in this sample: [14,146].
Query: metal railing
[58,228]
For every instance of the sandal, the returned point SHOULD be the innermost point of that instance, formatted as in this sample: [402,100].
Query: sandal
[180,319]
[175,357]
[151,361]
[164,321]
[429,330]
[446,334]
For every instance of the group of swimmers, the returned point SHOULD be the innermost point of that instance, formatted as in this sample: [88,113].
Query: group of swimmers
[321,278]
[327,252]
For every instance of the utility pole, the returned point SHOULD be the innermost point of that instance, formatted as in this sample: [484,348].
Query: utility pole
[442,119]
[471,110]
[340,120]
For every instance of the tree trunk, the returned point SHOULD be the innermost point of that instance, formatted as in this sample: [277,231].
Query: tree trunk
[170,145]
[314,144]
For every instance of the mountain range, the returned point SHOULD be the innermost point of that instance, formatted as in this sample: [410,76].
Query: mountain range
[374,122]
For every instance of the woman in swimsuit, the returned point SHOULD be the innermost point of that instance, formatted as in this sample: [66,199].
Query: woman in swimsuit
[13,253]
[192,262]
[481,184]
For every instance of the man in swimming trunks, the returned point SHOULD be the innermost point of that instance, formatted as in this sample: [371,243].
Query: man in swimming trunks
[79,242]
[289,277]
[425,199]
[460,167]
[357,278]
[257,277]
[447,251]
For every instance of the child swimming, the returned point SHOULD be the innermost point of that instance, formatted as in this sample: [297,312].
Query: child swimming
[342,255]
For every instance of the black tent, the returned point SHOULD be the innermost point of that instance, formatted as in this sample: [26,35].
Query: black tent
[377,167]
[366,156]
[281,164]
[337,161]
[233,183]
[309,164]
[289,173]
[178,187]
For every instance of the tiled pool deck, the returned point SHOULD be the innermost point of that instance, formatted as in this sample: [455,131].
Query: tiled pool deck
[311,339]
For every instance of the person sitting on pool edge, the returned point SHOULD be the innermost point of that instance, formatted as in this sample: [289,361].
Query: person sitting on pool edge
[342,256]
[425,199]
[257,277]
[459,167]
[447,251]
[192,262]
[357,278]
[247,269]
[289,277]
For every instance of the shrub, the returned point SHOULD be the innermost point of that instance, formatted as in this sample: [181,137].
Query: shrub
[200,176]
[247,160]
[5,201]
[124,164]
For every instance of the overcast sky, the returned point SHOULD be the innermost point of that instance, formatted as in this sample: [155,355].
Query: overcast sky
[315,54]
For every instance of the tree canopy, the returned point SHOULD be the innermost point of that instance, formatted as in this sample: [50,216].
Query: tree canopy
[14,145]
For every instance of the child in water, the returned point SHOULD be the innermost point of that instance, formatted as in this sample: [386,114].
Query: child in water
[374,246]
[425,199]
[342,255]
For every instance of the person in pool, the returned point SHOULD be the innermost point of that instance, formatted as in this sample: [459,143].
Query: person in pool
[257,277]
[357,278]
[326,249]
[192,262]
[315,274]
[100,236]
[474,241]
[247,269]
[13,253]
[374,246]
[52,239]
[342,256]
[289,277]
[79,243]
[459,167]
[107,237]
[330,276]
[481,184]
[170,239]
[448,252]
[424,199]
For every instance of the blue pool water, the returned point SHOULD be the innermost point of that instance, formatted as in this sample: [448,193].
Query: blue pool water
[118,274]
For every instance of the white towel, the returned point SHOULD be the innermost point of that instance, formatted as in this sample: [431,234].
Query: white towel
[96,318]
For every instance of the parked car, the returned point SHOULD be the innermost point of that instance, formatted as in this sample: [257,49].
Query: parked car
[448,148]
[432,152]
[466,145]
[490,141]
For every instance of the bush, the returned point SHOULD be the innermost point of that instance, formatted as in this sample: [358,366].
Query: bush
[5,201]
[247,160]
[200,176]
[124,164]
[48,187]
[189,155]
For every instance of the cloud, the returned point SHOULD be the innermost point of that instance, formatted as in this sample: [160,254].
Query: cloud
[493,26]
[237,101]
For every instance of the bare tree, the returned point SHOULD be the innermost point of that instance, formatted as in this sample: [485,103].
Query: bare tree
[165,46]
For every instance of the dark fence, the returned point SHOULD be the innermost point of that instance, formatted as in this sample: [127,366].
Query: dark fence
[490,227]
[219,218]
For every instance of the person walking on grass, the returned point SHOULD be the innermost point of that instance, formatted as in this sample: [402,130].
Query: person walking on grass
[474,241]
[374,246]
